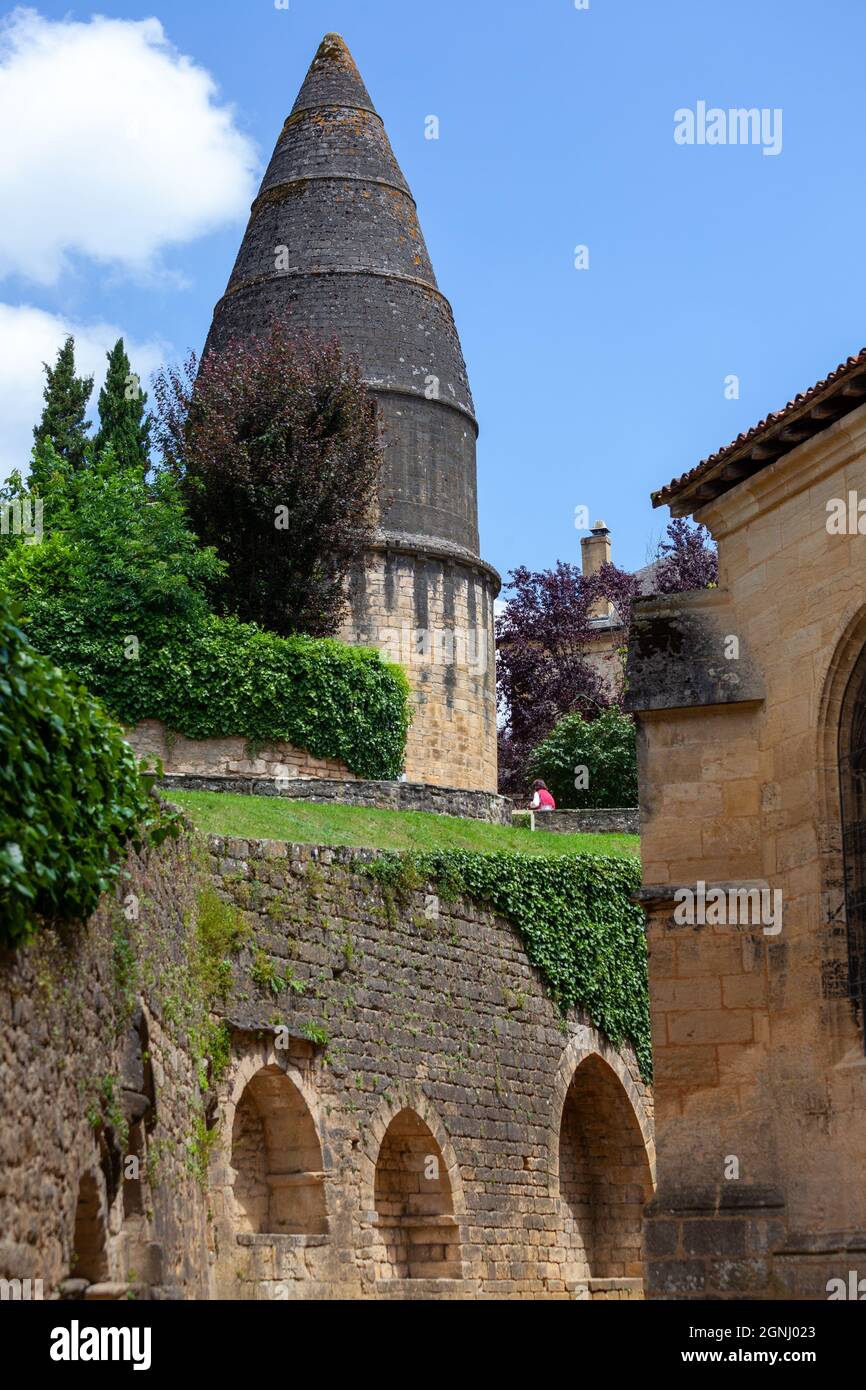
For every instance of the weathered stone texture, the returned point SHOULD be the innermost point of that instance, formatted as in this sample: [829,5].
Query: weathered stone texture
[438,1043]
[385,796]
[403,1113]
[435,617]
[680,655]
[230,757]
[758,1034]
[602,820]
[83,1057]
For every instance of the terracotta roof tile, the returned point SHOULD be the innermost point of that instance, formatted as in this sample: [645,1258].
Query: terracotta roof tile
[708,472]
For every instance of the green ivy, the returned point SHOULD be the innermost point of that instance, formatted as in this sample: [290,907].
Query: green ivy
[71,798]
[223,679]
[576,918]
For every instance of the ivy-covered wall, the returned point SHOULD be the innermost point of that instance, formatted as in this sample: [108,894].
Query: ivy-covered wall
[265,1070]
[407,1013]
[224,679]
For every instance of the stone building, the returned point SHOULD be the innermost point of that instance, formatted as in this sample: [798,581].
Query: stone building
[334,247]
[751,705]
[605,651]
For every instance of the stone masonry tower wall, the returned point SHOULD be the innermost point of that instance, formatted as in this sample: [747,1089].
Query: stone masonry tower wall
[356,266]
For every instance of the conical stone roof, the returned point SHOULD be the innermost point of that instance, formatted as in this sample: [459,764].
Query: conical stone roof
[334,246]
[333,80]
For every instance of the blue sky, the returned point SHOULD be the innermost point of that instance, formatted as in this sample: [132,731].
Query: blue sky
[557,129]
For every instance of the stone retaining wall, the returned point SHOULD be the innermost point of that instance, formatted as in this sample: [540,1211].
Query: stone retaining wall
[460,1139]
[399,1110]
[230,757]
[600,821]
[386,796]
[97,1081]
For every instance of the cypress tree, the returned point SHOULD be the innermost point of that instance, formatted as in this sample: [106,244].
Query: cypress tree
[122,420]
[63,424]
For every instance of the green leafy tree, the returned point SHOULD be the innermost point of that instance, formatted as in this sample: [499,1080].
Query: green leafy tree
[63,422]
[589,763]
[123,421]
[118,560]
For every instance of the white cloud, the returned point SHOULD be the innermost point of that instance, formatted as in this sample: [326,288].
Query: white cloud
[113,146]
[29,337]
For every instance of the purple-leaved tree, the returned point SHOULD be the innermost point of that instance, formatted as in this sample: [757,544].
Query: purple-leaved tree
[546,632]
[686,560]
[542,641]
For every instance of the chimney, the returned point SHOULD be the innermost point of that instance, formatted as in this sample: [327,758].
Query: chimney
[595,552]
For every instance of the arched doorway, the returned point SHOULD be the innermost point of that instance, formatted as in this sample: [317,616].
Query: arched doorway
[420,1236]
[604,1176]
[852,786]
[278,1181]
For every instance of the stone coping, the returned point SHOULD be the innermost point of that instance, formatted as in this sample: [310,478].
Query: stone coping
[601,820]
[385,796]
[620,1281]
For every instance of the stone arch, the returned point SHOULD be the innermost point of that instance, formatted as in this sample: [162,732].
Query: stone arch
[414,1193]
[602,1162]
[276,1155]
[90,1235]
[264,1053]
[841,761]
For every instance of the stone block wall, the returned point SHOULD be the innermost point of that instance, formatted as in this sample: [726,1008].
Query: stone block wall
[399,1110]
[471,1143]
[742,696]
[385,796]
[434,616]
[230,757]
[95,1072]
[597,821]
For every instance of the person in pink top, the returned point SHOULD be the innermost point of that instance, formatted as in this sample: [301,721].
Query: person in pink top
[541,798]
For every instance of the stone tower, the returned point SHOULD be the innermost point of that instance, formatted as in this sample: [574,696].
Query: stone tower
[358,268]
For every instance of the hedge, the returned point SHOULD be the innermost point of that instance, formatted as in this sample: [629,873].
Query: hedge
[221,678]
[71,797]
[575,915]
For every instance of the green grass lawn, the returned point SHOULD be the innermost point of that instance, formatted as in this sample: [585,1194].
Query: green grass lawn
[312,823]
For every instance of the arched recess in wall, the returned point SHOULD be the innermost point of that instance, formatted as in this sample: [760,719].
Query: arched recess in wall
[841,761]
[89,1241]
[417,1195]
[276,1158]
[603,1162]
[842,834]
